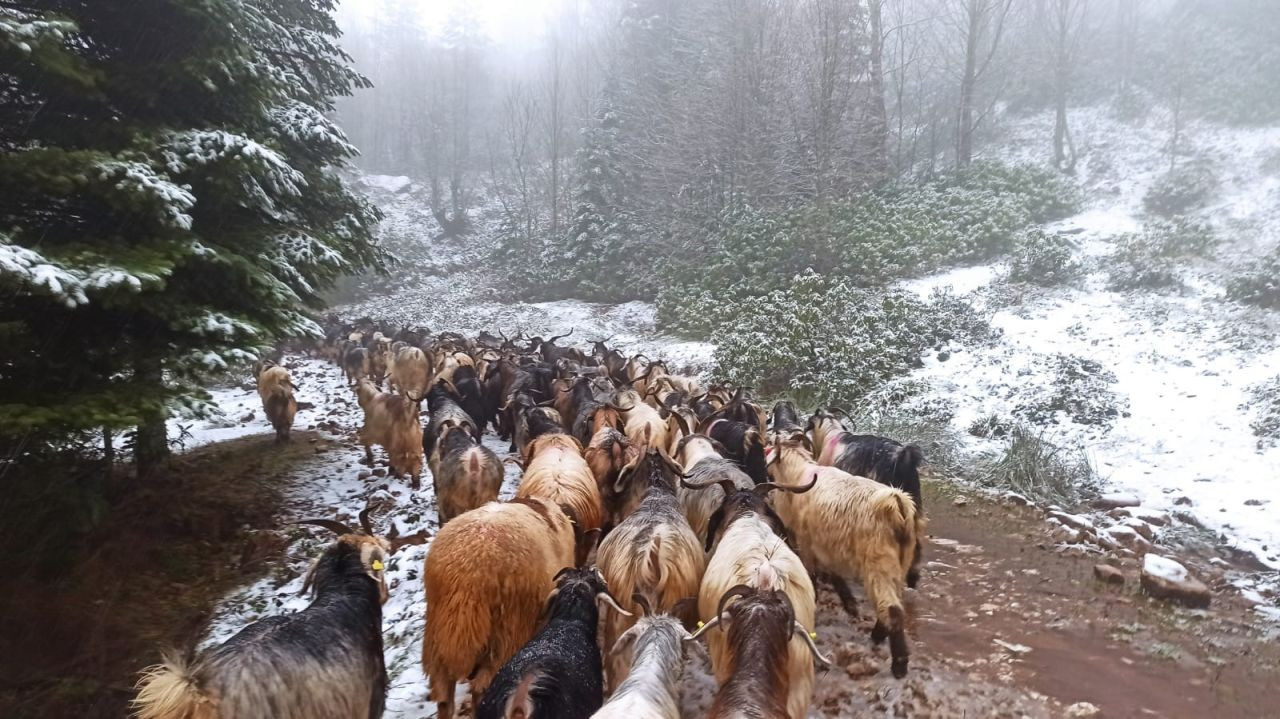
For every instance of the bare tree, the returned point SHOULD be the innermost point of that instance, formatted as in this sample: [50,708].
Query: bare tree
[980,26]
[1064,24]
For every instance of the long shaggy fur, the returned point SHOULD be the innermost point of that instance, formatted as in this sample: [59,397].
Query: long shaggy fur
[411,373]
[486,577]
[468,475]
[750,552]
[653,552]
[853,528]
[324,662]
[392,422]
[275,387]
[556,471]
[652,655]
[702,465]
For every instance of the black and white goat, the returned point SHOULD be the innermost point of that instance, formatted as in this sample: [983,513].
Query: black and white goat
[324,662]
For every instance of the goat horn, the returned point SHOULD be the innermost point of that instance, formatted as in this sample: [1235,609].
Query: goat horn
[643,602]
[822,661]
[365,524]
[702,629]
[329,524]
[725,484]
[408,540]
[608,599]
[740,590]
[798,489]
[560,337]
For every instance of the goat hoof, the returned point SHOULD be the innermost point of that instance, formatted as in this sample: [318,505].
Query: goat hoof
[913,578]
[879,634]
[899,668]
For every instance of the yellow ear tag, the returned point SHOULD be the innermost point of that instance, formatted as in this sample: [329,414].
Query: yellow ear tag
[377,565]
[699,624]
[813,635]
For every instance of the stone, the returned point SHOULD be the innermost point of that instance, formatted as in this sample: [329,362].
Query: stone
[1146,531]
[364,474]
[247,417]
[1072,520]
[960,501]
[1015,498]
[1166,579]
[1108,574]
[1082,710]
[1182,501]
[1254,502]
[1062,534]
[1111,501]
[379,472]
[1126,536]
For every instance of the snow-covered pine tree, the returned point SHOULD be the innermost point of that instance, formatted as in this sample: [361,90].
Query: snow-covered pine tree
[168,203]
[604,244]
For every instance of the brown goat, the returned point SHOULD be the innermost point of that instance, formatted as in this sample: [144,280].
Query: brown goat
[608,453]
[410,372]
[555,471]
[275,387]
[392,422]
[486,578]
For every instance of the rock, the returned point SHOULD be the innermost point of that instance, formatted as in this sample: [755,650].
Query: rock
[1062,534]
[1108,574]
[1073,520]
[379,472]
[1015,498]
[1082,710]
[1182,501]
[1188,518]
[1142,528]
[247,417]
[1254,502]
[1150,516]
[364,474]
[1164,578]
[960,501]
[1127,537]
[1111,501]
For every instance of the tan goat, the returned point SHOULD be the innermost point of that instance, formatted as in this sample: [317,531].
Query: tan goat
[275,387]
[391,421]
[852,528]
[555,471]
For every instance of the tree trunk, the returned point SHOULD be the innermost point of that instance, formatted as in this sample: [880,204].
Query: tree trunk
[879,116]
[968,83]
[151,445]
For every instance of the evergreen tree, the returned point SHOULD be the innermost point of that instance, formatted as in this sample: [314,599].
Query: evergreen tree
[168,203]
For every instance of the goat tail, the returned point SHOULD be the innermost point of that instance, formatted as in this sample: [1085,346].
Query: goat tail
[457,636]
[169,691]
[906,472]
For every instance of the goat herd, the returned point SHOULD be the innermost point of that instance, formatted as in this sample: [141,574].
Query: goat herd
[702,514]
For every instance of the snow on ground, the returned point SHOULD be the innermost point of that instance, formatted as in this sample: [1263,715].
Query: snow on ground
[1184,362]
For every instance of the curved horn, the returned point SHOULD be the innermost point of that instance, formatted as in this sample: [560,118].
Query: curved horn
[329,524]
[608,599]
[740,590]
[365,524]
[559,337]
[398,543]
[822,661]
[725,484]
[702,630]
[763,489]
[643,602]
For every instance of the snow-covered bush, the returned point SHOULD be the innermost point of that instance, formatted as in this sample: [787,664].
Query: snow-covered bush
[1259,282]
[824,341]
[1043,192]
[1151,258]
[1265,404]
[1183,189]
[1079,390]
[1043,259]
[1035,467]
[992,426]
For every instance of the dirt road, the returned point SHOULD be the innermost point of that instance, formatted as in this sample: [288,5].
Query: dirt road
[1005,626]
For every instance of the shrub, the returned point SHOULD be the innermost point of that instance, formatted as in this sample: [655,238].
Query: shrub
[825,341]
[1043,192]
[991,426]
[1079,390]
[1183,189]
[1036,467]
[1265,404]
[1259,282]
[1150,259]
[1043,259]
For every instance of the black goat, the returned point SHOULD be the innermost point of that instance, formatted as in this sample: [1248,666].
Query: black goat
[558,673]
[743,444]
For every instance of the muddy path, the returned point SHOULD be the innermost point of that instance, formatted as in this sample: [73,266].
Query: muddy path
[1006,625]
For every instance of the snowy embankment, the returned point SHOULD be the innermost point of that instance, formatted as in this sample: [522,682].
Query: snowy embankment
[1184,362]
